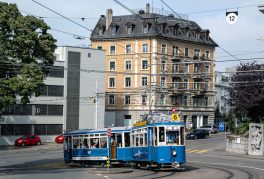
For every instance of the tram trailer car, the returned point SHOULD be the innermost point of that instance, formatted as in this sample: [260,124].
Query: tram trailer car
[159,144]
[96,146]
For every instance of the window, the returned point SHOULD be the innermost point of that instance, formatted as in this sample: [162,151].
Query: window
[207,54]
[99,47]
[206,101]
[185,99]
[196,53]
[144,99]
[129,29]
[162,99]
[127,82]
[161,134]
[127,99]
[206,85]
[112,65]
[128,65]
[186,68]
[207,68]
[185,84]
[111,82]
[50,90]
[113,30]
[128,48]
[145,48]
[56,71]
[144,81]
[175,51]
[163,65]
[89,55]
[144,64]
[196,84]
[54,129]
[196,68]
[175,68]
[195,101]
[55,110]
[41,109]
[101,31]
[145,28]
[112,49]
[111,99]
[22,129]
[163,48]
[186,52]
[162,81]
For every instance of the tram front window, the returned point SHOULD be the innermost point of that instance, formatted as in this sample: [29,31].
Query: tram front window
[172,138]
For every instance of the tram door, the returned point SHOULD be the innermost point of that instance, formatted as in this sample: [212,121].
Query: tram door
[68,148]
[113,146]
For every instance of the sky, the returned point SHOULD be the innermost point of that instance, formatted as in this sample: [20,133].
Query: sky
[239,39]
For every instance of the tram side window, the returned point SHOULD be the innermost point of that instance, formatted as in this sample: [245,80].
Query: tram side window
[103,142]
[141,140]
[85,143]
[161,134]
[182,136]
[155,136]
[94,142]
[119,140]
[172,138]
[146,139]
[127,139]
[76,143]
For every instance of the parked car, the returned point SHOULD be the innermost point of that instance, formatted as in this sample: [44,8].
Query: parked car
[59,139]
[28,140]
[198,134]
[211,128]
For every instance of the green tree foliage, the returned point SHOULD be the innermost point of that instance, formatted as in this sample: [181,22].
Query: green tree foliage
[247,94]
[26,49]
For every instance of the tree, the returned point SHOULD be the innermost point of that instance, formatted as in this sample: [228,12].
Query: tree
[247,92]
[26,50]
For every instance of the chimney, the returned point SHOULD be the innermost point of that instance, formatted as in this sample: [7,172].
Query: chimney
[109,16]
[147,8]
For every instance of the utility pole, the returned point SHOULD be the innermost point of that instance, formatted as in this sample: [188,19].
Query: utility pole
[96,106]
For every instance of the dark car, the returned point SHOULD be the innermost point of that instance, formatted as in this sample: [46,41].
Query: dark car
[28,140]
[198,134]
[59,139]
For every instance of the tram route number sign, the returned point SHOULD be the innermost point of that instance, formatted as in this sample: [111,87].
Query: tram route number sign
[108,132]
[175,117]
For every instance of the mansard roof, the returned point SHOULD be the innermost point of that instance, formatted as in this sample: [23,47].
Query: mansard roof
[156,23]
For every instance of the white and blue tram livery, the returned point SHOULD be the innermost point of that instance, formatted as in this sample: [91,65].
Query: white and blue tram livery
[156,141]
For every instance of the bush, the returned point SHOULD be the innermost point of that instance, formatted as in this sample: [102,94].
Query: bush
[242,129]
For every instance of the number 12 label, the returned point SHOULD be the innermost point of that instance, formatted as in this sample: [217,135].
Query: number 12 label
[231,17]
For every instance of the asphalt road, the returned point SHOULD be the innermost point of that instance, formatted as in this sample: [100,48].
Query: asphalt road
[206,158]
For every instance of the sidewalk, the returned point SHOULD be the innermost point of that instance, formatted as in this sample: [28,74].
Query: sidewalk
[222,152]
[32,147]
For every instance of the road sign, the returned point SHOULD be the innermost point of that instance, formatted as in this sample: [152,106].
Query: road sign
[175,117]
[231,17]
[221,126]
[109,132]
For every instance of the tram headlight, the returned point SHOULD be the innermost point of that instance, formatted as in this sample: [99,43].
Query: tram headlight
[173,153]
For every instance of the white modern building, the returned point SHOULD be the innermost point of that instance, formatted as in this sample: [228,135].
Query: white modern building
[73,98]
[222,86]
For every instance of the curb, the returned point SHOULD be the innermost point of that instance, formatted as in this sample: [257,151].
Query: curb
[110,171]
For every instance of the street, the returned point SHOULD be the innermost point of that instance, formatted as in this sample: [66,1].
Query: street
[206,158]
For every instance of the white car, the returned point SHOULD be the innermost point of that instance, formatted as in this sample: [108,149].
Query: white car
[211,128]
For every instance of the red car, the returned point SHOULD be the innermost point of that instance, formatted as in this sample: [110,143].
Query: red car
[59,139]
[28,140]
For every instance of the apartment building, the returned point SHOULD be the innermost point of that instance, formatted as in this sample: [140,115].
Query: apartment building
[69,100]
[155,63]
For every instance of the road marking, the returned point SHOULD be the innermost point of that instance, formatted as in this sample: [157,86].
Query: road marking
[99,174]
[223,164]
[196,151]
[193,151]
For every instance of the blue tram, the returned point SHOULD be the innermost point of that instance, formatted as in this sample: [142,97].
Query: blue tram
[155,141]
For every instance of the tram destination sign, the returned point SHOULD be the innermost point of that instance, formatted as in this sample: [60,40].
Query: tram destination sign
[141,123]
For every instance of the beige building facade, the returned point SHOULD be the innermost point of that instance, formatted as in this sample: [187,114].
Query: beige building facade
[155,63]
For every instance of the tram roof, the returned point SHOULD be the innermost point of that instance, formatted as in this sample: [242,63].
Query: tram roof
[104,130]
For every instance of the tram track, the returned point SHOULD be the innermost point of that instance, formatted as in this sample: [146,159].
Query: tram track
[231,174]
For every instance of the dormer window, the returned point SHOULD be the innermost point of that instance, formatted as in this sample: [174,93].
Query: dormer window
[129,29]
[113,30]
[101,30]
[145,28]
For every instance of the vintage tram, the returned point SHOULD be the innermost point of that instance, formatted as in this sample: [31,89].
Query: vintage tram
[155,141]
